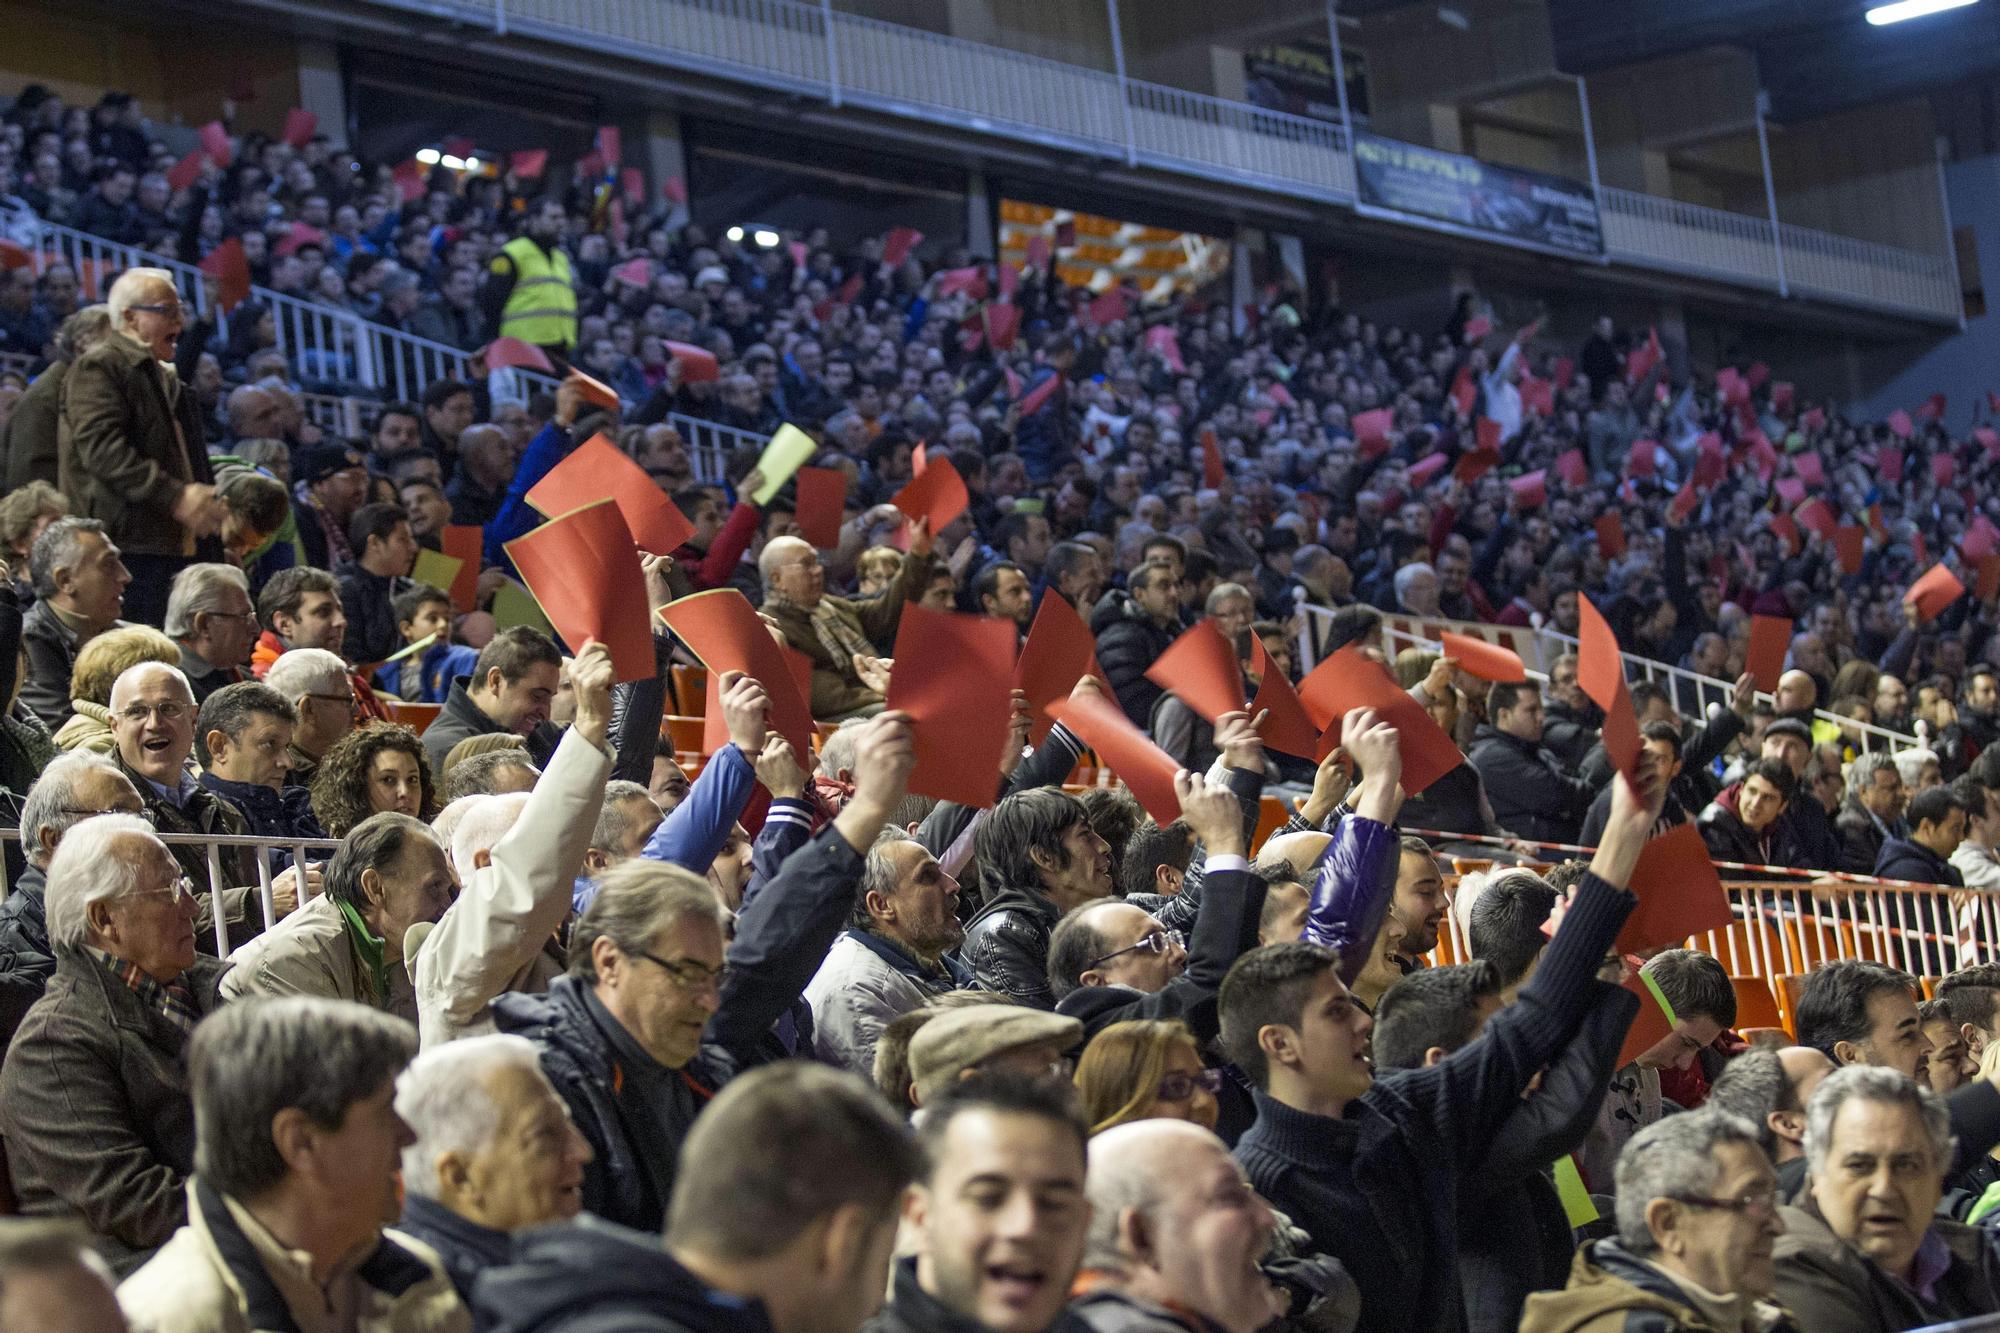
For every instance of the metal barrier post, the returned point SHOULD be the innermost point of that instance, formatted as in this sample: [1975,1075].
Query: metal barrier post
[216,910]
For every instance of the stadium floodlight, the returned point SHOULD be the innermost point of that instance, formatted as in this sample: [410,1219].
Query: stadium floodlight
[767,238]
[1912,9]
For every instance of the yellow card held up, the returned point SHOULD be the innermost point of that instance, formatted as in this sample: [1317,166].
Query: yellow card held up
[1575,1198]
[514,605]
[784,455]
[436,568]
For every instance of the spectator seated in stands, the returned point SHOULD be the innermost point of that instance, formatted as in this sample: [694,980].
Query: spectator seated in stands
[79,583]
[494,1152]
[1748,835]
[377,769]
[297,1156]
[1174,1229]
[210,616]
[1872,814]
[844,639]
[784,1213]
[1769,1087]
[94,1092]
[1133,638]
[330,487]
[1704,1007]
[424,676]
[320,690]
[510,690]
[71,789]
[1936,822]
[1532,795]
[896,954]
[384,551]
[246,736]
[648,994]
[103,660]
[1038,859]
[1863,1248]
[1697,1228]
[1015,1139]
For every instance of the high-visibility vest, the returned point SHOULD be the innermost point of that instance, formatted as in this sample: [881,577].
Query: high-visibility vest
[541,309]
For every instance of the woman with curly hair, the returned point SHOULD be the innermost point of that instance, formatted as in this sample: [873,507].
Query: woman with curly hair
[1142,1070]
[370,770]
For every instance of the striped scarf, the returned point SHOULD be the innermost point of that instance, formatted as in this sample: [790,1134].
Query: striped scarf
[174,1001]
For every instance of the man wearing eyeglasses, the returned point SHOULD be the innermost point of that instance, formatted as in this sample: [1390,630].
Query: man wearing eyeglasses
[130,443]
[94,1092]
[1697,1224]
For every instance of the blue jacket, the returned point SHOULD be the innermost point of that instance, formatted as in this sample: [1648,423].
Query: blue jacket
[437,667]
[692,836]
[517,517]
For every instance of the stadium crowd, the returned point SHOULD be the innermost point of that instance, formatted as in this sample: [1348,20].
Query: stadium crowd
[863,1057]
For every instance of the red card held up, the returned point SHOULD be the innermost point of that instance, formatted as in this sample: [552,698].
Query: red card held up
[1610,535]
[1651,1026]
[583,569]
[1770,638]
[215,142]
[1889,462]
[230,267]
[1848,541]
[1572,469]
[1486,434]
[937,493]
[1943,468]
[1791,491]
[821,504]
[952,676]
[896,246]
[1471,467]
[1678,890]
[1347,681]
[1809,468]
[598,470]
[504,353]
[1058,653]
[1988,582]
[697,364]
[1685,500]
[596,391]
[300,126]
[528,163]
[1639,461]
[1371,431]
[1487,661]
[1815,515]
[1200,669]
[1425,470]
[1900,424]
[1212,473]
[1145,767]
[723,630]
[1981,538]
[1936,589]
[1531,489]
[1287,728]
[466,544]
[186,171]
[1601,674]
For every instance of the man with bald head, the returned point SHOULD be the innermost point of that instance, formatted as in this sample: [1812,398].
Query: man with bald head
[1770,1089]
[255,413]
[129,444]
[1174,1228]
[486,462]
[840,637]
[1797,695]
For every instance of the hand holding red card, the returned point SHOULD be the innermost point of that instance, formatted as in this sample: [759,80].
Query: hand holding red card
[724,631]
[937,493]
[1059,652]
[599,470]
[1486,661]
[1770,638]
[584,570]
[1371,431]
[1145,767]
[1200,669]
[1935,590]
[821,504]
[953,676]
[1601,674]
[1287,727]
[1347,680]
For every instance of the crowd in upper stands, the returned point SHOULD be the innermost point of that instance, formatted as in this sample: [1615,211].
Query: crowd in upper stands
[491,1006]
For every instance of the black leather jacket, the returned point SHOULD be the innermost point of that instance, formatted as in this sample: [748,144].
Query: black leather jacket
[1007,946]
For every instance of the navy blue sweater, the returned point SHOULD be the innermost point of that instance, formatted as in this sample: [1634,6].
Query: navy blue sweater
[1379,1187]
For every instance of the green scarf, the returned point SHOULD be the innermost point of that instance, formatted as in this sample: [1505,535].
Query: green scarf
[368,948]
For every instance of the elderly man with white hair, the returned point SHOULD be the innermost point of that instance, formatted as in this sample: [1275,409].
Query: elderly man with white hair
[130,443]
[210,616]
[842,638]
[1174,1228]
[495,1151]
[94,1094]
[72,788]
[389,931]
[315,682]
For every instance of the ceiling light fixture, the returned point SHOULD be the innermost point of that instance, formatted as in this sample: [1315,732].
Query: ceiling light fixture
[1882,15]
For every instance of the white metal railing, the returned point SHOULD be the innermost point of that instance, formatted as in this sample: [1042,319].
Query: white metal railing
[1173,127]
[1687,238]
[300,850]
[1691,692]
[710,443]
[1872,274]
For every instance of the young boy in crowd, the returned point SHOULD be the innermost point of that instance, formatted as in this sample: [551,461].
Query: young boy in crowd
[425,676]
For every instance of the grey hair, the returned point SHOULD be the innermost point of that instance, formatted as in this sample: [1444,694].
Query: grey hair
[58,548]
[52,798]
[1222,592]
[615,821]
[196,589]
[636,900]
[250,1060]
[303,671]
[1669,1157]
[1409,574]
[1752,1086]
[130,290]
[1861,770]
[483,825]
[1911,762]
[878,874]
[1111,1191]
[1874,1083]
[776,552]
[87,869]
[444,1098]
[837,751]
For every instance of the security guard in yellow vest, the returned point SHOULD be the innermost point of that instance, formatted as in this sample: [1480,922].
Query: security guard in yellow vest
[531,291]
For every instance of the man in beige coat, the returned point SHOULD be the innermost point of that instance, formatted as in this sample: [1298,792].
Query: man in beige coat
[297,1146]
[391,874]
